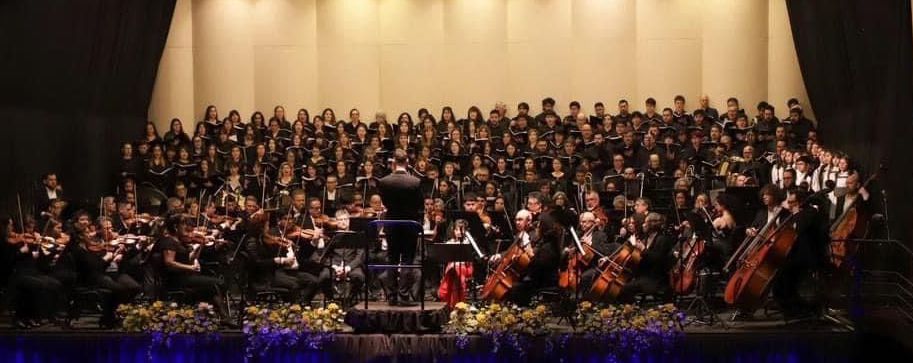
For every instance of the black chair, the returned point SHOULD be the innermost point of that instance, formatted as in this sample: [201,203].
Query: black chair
[84,298]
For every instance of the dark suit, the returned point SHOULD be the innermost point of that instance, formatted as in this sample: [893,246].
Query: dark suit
[402,195]
[652,275]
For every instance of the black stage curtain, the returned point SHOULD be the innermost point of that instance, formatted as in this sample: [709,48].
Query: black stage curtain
[856,62]
[76,77]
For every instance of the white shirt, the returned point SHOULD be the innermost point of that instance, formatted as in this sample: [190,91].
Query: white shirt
[52,193]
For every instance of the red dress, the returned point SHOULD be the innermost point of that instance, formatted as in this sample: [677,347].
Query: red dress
[455,283]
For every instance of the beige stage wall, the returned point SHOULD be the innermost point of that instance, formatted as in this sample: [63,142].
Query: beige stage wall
[399,55]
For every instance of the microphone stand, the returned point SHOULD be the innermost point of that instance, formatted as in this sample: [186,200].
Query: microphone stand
[887,222]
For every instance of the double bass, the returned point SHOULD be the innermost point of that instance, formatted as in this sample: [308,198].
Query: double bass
[513,266]
[683,273]
[758,263]
[851,224]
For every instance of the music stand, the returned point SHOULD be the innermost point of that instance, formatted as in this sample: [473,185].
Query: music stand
[375,225]
[445,253]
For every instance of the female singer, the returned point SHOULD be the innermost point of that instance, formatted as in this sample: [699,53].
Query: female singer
[158,171]
[151,135]
[176,137]
[457,275]
[210,120]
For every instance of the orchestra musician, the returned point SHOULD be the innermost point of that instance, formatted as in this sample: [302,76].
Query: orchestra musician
[591,237]
[43,275]
[455,282]
[181,267]
[545,243]
[652,275]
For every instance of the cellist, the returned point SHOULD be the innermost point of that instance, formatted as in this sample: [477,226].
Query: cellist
[590,238]
[543,268]
[652,275]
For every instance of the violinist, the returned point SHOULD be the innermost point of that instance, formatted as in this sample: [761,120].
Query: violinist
[311,241]
[594,206]
[56,259]
[271,265]
[98,261]
[182,267]
[652,275]
[347,263]
[33,291]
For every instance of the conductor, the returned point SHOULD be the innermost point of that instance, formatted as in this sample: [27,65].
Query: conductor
[402,195]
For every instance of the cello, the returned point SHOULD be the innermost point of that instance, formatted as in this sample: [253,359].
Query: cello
[617,271]
[511,269]
[852,223]
[578,257]
[759,262]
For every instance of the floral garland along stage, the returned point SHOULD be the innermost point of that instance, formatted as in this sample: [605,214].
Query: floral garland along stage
[164,320]
[625,328]
[290,325]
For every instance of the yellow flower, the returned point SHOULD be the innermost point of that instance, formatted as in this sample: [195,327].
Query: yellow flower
[528,315]
[462,306]
[158,305]
[541,309]
[586,305]
[494,308]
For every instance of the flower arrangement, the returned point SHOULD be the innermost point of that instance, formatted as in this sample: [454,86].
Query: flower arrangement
[164,320]
[629,328]
[290,325]
[500,323]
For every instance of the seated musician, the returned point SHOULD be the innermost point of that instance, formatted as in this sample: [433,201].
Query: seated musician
[807,256]
[347,263]
[543,269]
[271,264]
[455,283]
[98,258]
[182,268]
[652,274]
[32,291]
[312,274]
[590,238]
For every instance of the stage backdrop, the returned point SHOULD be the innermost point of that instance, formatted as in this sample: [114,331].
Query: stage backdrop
[857,62]
[399,55]
[75,79]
